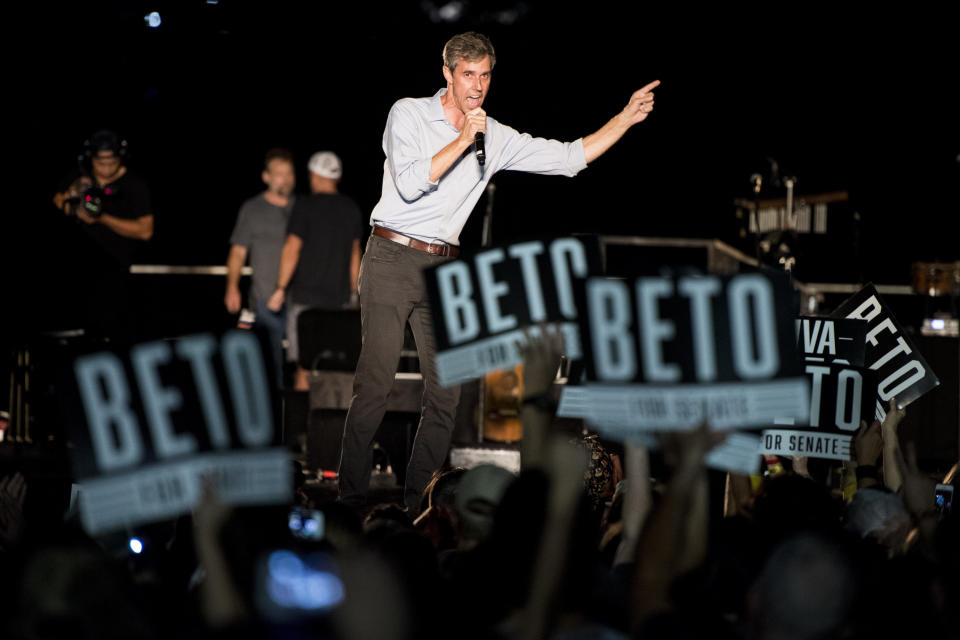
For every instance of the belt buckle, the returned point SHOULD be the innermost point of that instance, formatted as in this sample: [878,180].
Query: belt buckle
[444,248]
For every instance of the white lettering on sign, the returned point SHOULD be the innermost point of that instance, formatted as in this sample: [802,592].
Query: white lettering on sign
[916,373]
[747,326]
[832,446]
[868,310]
[568,258]
[819,336]
[526,253]
[901,347]
[849,384]
[491,291]
[655,330]
[853,379]
[563,252]
[608,302]
[108,400]
[907,374]
[700,290]
[169,488]
[198,351]
[815,386]
[243,362]
[750,305]
[885,325]
[459,311]
[625,408]
[159,401]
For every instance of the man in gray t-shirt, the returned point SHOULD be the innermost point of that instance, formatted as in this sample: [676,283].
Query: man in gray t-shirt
[260,232]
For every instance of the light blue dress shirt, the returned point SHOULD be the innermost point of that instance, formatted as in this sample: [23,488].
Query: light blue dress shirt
[416,130]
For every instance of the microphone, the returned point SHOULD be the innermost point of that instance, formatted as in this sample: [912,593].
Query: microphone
[480,151]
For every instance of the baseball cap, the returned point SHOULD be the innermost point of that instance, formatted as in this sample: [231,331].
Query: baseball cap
[325,164]
[478,494]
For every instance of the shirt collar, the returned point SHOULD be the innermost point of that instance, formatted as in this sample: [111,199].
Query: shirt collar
[436,107]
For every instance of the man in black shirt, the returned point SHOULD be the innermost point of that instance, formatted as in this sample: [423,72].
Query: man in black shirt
[112,208]
[320,261]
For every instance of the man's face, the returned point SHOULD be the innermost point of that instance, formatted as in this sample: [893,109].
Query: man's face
[468,83]
[279,177]
[105,165]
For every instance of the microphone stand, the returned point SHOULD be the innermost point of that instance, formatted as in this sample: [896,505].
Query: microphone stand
[757,182]
[486,238]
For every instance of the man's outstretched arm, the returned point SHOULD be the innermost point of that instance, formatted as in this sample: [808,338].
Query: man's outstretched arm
[637,110]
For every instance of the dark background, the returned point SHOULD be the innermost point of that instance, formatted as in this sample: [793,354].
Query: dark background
[858,101]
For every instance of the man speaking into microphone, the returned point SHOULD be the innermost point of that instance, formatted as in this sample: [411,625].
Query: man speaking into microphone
[440,154]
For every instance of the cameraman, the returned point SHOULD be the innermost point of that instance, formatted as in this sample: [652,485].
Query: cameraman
[111,205]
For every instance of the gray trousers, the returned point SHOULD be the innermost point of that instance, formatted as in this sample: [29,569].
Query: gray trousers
[392,294]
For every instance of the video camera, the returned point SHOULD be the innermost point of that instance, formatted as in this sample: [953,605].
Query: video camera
[84,192]
[88,196]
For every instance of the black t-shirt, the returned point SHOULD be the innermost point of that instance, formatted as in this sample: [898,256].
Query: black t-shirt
[128,198]
[327,223]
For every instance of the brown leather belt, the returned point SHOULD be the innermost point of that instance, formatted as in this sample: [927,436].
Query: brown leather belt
[419,245]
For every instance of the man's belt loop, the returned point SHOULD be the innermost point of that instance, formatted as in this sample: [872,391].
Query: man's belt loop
[419,245]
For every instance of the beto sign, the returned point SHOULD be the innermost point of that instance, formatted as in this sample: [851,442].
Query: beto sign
[148,424]
[481,304]
[902,372]
[832,339]
[667,352]
[841,395]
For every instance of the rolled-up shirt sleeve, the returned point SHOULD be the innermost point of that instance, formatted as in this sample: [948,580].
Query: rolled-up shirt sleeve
[523,152]
[407,159]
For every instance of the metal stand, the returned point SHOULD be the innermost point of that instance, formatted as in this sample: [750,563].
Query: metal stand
[486,238]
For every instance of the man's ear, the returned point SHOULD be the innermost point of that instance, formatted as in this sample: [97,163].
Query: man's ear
[448,74]
[265,177]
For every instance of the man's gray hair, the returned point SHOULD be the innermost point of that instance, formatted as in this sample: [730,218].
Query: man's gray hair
[470,46]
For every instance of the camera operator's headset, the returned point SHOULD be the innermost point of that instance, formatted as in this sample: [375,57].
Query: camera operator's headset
[103,140]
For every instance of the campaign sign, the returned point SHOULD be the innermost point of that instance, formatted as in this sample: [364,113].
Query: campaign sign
[739,453]
[481,303]
[831,339]
[841,395]
[902,373]
[668,352]
[148,425]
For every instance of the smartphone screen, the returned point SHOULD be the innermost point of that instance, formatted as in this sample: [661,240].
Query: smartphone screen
[944,497]
[293,586]
[305,524]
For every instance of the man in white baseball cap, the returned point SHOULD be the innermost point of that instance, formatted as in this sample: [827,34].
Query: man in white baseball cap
[326,164]
[320,261]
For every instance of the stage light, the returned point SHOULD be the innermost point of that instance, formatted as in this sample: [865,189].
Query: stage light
[136,545]
[941,325]
[451,11]
[152,19]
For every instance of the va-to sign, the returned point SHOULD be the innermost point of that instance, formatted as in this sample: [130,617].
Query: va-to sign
[148,423]
[832,339]
[668,352]
[902,372]
[481,304]
[841,395]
